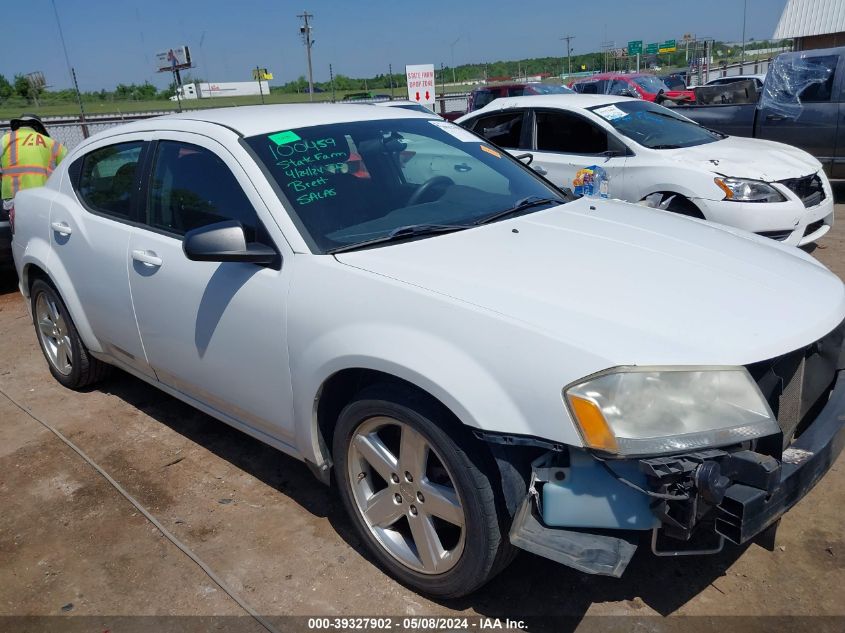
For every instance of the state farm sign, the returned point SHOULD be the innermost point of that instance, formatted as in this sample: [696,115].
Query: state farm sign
[421,83]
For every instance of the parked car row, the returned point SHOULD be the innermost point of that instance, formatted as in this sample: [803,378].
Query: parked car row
[478,360]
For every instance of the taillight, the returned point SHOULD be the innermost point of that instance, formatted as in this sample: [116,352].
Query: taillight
[12,219]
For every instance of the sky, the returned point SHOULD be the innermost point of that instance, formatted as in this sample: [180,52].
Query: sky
[115,41]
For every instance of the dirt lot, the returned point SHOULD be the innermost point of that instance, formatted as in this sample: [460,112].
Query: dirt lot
[72,546]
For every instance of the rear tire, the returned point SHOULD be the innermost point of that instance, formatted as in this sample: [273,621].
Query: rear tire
[67,357]
[436,528]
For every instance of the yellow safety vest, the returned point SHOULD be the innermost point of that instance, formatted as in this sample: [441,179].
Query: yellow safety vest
[27,160]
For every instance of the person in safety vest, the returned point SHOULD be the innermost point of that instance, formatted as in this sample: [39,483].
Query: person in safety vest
[28,156]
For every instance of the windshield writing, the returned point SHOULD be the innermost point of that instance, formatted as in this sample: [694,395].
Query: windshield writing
[353,183]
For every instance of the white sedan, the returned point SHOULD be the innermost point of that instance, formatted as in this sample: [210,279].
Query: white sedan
[661,159]
[477,361]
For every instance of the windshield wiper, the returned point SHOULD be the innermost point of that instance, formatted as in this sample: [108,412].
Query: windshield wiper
[402,233]
[665,147]
[521,205]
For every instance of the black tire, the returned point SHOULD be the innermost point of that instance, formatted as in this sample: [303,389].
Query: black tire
[85,370]
[486,549]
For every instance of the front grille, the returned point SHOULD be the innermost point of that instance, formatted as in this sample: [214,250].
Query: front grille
[808,188]
[797,384]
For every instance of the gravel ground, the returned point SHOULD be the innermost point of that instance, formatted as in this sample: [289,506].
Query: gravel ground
[70,545]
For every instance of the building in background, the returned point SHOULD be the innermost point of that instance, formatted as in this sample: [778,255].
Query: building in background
[812,23]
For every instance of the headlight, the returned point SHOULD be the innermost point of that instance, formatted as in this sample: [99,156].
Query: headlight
[645,410]
[741,190]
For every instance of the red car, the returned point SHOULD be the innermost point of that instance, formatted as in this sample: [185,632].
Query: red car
[640,85]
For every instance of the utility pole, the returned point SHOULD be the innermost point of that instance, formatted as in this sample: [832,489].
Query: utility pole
[305,31]
[452,46]
[568,39]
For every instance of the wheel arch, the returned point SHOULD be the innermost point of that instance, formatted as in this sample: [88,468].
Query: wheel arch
[33,269]
[692,209]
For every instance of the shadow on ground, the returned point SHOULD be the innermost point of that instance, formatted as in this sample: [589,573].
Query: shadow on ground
[8,281]
[532,588]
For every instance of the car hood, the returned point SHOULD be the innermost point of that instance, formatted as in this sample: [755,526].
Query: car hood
[749,158]
[632,284]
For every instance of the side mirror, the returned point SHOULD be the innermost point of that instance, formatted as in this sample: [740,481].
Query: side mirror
[225,242]
[525,158]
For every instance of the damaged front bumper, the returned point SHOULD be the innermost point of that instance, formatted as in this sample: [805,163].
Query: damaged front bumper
[587,513]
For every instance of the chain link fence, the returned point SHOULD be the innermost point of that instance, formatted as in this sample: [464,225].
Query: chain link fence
[70,131]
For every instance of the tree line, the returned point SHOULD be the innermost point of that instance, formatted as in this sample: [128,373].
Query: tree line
[20,88]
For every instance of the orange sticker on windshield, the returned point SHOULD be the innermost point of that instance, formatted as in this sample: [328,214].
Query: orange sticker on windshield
[484,148]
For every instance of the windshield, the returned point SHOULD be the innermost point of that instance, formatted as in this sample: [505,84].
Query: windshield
[654,126]
[549,89]
[650,83]
[350,183]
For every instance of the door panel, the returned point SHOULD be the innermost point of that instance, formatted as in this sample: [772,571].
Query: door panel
[90,234]
[215,331]
[566,142]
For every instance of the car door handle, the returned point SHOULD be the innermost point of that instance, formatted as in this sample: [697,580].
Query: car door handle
[540,170]
[62,228]
[148,258]
[774,117]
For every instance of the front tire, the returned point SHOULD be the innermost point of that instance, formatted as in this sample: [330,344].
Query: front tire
[69,361]
[422,501]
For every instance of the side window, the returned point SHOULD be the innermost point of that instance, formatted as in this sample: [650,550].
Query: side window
[504,130]
[569,133]
[192,187]
[516,91]
[619,87]
[823,71]
[482,98]
[106,181]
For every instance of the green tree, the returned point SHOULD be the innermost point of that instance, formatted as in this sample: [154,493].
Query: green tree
[21,86]
[6,89]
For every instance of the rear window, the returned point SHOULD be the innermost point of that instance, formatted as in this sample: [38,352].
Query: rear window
[106,178]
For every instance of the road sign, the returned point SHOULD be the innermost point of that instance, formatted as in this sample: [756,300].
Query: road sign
[635,47]
[420,79]
[669,46]
[652,49]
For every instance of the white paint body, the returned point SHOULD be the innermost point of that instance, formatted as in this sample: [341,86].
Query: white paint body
[493,321]
[688,171]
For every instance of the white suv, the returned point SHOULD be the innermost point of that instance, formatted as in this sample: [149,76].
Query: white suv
[479,360]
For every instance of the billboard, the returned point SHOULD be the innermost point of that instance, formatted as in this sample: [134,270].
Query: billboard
[173,59]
